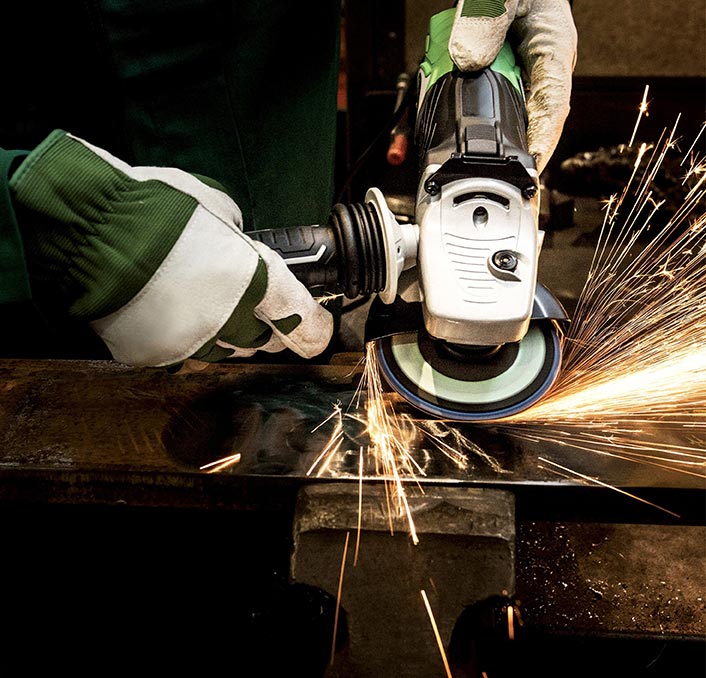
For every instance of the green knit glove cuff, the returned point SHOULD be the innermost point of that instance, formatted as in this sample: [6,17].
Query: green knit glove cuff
[91,229]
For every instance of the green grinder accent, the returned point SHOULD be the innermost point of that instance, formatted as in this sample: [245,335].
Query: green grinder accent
[438,63]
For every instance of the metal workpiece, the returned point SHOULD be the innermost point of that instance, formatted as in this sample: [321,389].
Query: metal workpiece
[90,423]
[465,555]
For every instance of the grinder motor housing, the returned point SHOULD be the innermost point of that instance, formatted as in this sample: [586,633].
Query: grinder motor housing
[475,247]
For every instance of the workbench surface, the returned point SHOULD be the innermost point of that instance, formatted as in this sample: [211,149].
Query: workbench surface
[101,434]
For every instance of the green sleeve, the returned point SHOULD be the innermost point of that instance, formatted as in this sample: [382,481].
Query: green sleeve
[14,279]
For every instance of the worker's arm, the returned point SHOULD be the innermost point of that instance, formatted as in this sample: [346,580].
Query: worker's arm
[153,258]
[543,34]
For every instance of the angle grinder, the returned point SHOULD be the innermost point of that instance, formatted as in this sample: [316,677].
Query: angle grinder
[462,330]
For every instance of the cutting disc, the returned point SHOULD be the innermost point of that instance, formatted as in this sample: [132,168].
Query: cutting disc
[471,383]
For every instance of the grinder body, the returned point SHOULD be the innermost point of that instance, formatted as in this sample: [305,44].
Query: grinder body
[472,336]
[478,241]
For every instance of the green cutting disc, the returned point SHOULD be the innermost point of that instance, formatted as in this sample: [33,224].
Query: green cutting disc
[471,383]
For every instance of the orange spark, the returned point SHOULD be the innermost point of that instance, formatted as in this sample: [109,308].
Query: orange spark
[338,598]
[641,111]
[360,505]
[325,298]
[437,635]
[220,464]
[610,487]
[511,622]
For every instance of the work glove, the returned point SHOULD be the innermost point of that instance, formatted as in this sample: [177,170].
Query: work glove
[546,47]
[155,260]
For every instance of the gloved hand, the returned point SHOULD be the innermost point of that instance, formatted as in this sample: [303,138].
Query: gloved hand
[547,51]
[155,259]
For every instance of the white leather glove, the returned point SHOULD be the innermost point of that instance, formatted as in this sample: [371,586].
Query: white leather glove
[156,261]
[546,48]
